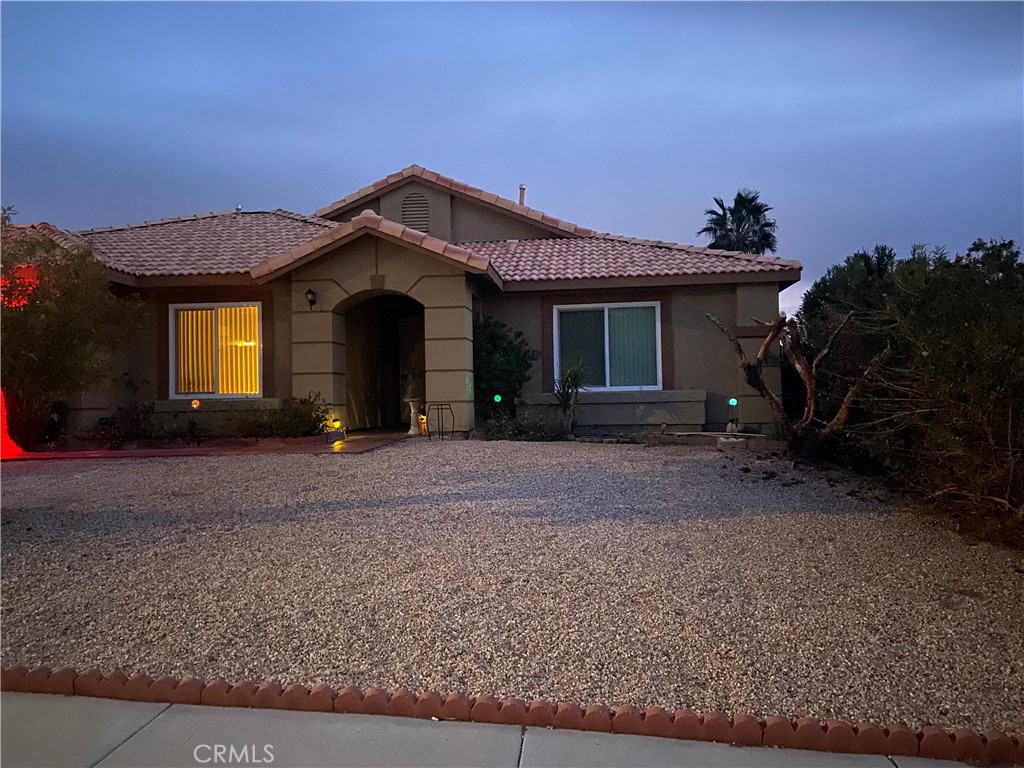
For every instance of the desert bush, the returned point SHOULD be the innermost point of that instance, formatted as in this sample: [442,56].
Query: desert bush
[517,427]
[297,417]
[186,427]
[502,361]
[130,423]
[945,415]
[61,326]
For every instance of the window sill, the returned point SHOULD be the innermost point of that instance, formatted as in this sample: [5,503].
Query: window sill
[604,396]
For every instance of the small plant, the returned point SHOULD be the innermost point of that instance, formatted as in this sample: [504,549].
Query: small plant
[131,422]
[509,427]
[567,392]
[190,431]
[297,417]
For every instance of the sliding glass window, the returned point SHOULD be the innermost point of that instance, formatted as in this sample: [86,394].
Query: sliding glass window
[618,345]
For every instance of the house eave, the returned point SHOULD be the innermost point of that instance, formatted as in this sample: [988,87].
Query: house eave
[784,278]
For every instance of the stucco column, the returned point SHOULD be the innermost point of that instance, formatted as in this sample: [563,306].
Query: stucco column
[448,345]
[318,351]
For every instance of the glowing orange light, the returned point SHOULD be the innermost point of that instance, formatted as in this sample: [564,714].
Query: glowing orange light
[195,405]
[337,445]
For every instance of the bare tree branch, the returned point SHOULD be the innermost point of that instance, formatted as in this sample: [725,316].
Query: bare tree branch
[844,410]
[752,371]
[828,345]
[789,333]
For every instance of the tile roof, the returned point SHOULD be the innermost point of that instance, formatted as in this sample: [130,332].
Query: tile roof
[609,256]
[459,187]
[267,243]
[205,244]
[42,230]
[368,221]
[584,253]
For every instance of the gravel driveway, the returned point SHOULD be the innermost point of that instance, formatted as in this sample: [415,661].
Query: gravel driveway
[586,572]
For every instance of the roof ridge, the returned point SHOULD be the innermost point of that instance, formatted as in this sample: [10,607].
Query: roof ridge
[299,217]
[459,187]
[157,222]
[210,215]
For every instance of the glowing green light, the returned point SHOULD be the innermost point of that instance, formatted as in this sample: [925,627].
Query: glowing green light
[733,402]
[497,398]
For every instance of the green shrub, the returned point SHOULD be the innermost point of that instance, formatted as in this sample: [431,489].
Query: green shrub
[187,429]
[60,328]
[944,417]
[134,422]
[502,360]
[297,417]
[567,392]
[509,427]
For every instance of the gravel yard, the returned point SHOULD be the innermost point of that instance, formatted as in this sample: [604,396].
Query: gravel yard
[585,572]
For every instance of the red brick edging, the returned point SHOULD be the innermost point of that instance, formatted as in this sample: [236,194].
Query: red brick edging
[773,731]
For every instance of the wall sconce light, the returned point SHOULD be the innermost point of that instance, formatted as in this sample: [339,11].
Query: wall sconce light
[311,297]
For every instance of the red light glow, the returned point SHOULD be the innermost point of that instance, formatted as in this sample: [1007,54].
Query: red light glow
[8,448]
[15,292]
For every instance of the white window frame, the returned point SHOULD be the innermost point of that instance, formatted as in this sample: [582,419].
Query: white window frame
[558,308]
[172,350]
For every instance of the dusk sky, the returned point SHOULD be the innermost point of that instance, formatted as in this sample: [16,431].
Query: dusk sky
[860,123]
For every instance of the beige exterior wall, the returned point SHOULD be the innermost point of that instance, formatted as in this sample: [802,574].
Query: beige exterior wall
[452,218]
[363,269]
[472,222]
[438,202]
[147,362]
[700,369]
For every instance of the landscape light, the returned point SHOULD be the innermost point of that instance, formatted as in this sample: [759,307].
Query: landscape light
[497,398]
[733,402]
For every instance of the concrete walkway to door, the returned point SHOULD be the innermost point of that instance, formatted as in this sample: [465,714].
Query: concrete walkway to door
[44,730]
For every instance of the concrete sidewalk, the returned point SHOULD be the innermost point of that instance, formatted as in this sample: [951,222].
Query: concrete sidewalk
[43,730]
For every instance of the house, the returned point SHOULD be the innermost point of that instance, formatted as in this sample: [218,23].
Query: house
[372,299]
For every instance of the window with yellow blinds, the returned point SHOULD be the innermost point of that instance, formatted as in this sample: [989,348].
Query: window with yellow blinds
[215,350]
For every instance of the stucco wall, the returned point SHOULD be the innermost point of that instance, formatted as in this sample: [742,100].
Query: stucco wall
[147,361]
[438,202]
[369,267]
[700,368]
[474,223]
[452,218]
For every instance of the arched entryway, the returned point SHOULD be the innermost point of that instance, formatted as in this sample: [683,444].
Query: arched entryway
[384,359]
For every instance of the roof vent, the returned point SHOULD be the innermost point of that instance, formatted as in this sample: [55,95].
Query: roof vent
[416,212]
[238,209]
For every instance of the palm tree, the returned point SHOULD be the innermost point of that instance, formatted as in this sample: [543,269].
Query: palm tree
[743,226]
